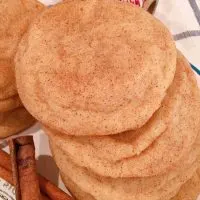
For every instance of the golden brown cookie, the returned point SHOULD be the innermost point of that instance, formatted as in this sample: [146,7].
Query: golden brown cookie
[10,104]
[190,190]
[75,191]
[14,121]
[80,194]
[162,142]
[15,17]
[95,67]
[152,188]
[7,79]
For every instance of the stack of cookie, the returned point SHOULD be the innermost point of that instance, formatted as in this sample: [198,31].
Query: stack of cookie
[118,101]
[15,16]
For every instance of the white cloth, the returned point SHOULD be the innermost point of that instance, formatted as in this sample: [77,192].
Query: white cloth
[182,17]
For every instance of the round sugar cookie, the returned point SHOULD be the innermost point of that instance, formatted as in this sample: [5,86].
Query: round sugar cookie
[95,67]
[190,190]
[154,188]
[15,17]
[79,194]
[75,191]
[179,116]
[10,104]
[7,79]
[14,121]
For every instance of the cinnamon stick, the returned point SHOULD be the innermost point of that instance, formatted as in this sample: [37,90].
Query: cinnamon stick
[52,191]
[24,169]
[46,186]
[5,160]
[7,176]
[7,190]
[44,197]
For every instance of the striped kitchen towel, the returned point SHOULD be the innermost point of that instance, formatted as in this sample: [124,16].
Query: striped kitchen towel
[182,17]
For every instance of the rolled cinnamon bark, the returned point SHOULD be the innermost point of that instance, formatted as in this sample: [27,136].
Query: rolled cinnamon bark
[24,168]
[53,191]
[5,160]
[6,175]
[46,186]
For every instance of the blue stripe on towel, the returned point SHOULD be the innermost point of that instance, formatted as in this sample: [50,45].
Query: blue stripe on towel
[195,69]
